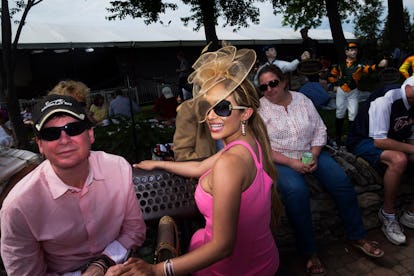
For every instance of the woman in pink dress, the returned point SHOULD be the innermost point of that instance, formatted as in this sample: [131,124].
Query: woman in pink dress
[236,189]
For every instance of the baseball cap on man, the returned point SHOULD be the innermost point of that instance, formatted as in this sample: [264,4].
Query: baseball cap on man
[53,104]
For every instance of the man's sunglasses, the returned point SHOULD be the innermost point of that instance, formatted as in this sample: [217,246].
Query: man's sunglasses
[224,108]
[71,129]
[272,84]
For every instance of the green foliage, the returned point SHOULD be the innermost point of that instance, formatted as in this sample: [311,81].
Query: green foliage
[148,9]
[236,13]
[368,20]
[386,40]
[410,34]
[299,13]
[118,138]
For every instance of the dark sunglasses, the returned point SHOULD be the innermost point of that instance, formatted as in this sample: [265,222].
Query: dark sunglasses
[224,108]
[71,129]
[272,84]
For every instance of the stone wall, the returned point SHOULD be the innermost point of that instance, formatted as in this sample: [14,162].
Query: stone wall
[369,188]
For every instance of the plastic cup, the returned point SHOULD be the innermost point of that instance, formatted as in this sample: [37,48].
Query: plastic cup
[307,157]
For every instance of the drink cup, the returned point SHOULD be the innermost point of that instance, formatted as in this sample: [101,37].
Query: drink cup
[307,157]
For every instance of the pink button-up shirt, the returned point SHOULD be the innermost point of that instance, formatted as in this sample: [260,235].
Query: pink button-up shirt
[296,130]
[48,227]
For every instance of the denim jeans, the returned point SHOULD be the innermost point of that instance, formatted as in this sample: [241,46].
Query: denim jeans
[296,198]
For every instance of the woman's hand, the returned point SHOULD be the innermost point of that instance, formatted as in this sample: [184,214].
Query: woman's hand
[147,165]
[313,166]
[301,168]
[134,266]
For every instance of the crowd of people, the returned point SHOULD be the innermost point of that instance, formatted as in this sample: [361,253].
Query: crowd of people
[248,138]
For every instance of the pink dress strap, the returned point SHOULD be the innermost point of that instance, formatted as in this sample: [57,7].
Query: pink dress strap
[247,145]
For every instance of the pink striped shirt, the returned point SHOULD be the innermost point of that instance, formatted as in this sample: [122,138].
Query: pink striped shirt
[48,227]
[294,130]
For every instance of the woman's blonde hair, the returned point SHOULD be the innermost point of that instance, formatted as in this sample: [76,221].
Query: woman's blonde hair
[75,89]
[246,95]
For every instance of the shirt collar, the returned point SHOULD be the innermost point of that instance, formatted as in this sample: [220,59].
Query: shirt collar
[57,187]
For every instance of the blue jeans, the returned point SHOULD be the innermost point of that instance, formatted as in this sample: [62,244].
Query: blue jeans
[296,198]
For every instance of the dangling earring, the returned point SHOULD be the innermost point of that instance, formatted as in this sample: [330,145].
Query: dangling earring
[243,128]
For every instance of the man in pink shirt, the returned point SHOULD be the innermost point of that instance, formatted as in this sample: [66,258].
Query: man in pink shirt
[77,212]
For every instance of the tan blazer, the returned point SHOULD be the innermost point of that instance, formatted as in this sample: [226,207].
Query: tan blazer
[192,140]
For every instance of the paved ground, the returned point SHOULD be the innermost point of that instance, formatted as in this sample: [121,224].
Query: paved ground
[340,258]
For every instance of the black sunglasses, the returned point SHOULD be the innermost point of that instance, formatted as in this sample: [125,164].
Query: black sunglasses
[224,108]
[71,129]
[272,84]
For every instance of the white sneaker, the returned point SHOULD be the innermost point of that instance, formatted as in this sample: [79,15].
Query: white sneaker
[391,229]
[407,220]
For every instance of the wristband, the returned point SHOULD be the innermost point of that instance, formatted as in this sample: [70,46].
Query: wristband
[108,261]
[168,268]
[103,262]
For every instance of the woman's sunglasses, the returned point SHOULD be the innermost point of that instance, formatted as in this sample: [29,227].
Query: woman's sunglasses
[71,129]
[224,108]
[272,84]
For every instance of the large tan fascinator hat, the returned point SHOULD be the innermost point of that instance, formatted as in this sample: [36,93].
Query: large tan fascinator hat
[226,66]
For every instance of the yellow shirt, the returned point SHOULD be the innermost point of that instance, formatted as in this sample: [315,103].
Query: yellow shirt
[408,62]
[100,113]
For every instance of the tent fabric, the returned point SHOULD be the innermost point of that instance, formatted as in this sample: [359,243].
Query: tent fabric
[45,35]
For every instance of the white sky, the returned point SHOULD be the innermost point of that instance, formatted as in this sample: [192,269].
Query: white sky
[93,12]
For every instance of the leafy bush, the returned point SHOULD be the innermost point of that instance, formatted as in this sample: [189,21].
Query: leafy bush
[132,141]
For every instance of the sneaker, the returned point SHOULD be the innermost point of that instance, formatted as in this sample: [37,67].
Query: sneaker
[407,220]
[391,229]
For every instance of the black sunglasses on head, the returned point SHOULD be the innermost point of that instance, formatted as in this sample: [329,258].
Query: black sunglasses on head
[271,84]
[224,108]
[71,129]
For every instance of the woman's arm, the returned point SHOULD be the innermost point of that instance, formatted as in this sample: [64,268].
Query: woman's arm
[226,182]
[192,169]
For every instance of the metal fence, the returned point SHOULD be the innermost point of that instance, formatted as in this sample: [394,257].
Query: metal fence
[144,93]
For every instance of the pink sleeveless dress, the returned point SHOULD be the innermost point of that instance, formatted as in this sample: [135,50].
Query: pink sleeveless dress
[255,251]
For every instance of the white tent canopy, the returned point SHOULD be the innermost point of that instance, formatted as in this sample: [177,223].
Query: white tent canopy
[45,35]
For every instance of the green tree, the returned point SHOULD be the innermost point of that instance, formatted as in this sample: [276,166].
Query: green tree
[368,25]
[396,22]
[407,31]
[410,29]
[8,67]
[236,13]
[300,13]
